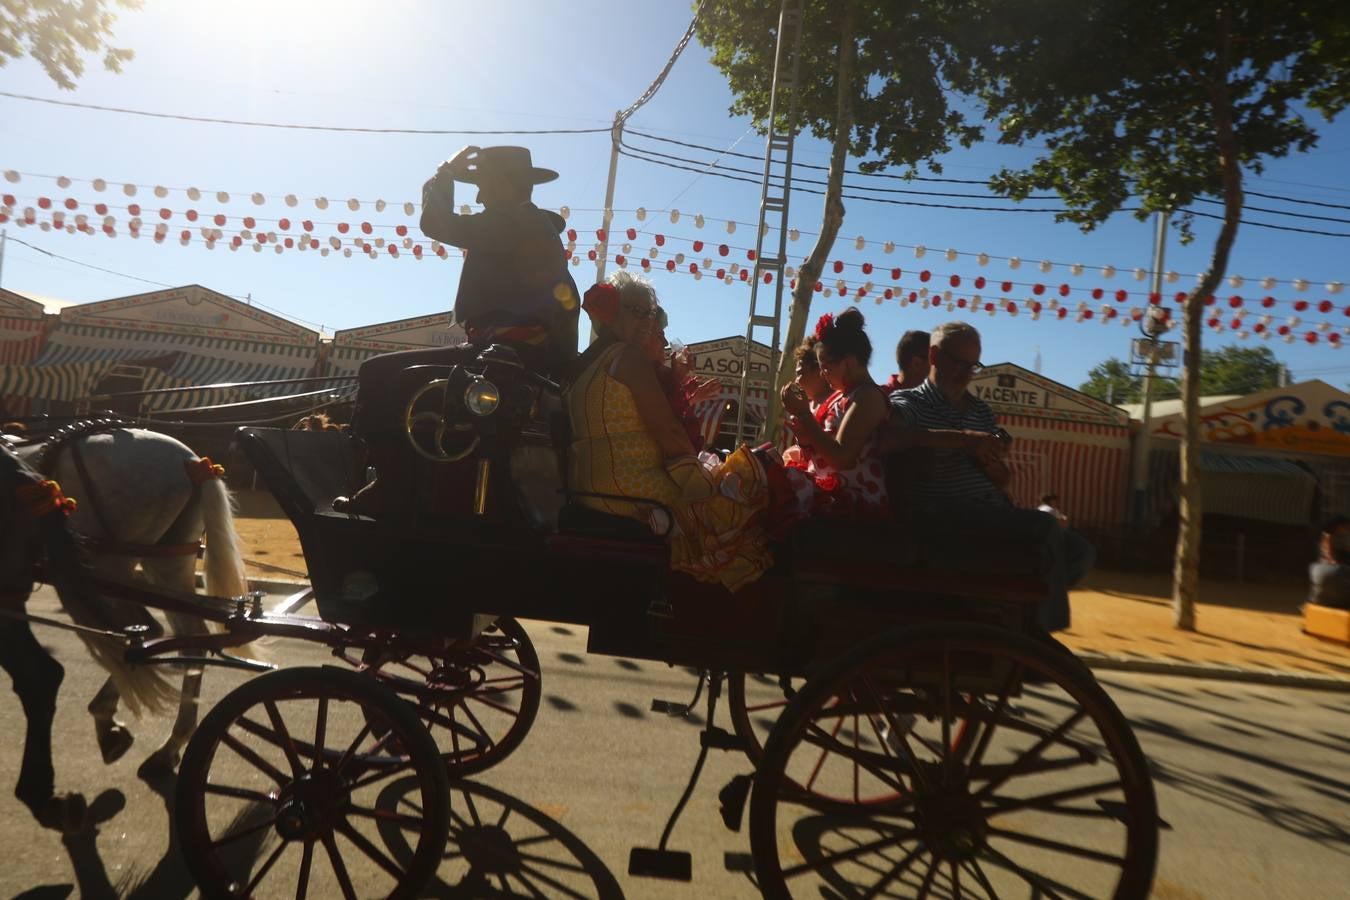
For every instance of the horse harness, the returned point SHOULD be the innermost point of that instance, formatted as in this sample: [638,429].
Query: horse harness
[69,436]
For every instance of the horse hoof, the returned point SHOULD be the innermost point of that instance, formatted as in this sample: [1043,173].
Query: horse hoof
[63,812]
[114,742]
[158,765]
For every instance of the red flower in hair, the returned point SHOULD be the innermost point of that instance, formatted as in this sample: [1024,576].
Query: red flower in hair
[823,325]
[601,302]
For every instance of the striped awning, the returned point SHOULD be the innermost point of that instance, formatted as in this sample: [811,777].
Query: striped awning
[66,381]
[345,359]
[1264,488]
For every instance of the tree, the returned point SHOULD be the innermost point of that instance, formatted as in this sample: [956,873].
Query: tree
[1228,370]
[1163,106]
[57,33]
[870,82]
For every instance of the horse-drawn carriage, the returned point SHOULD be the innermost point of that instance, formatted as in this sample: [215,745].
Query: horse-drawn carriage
[912,733]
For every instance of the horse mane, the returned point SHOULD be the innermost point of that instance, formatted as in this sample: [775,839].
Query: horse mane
[44,460]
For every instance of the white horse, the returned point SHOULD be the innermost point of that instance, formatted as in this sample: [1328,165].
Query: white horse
[146,498]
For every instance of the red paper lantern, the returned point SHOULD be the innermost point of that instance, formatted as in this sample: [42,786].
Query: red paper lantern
[1097,293]
[1180,297]
[1235,301]
[989,307]
[417,250]
[166,213]
[343,228]
[670,265]
[960,301]
[1333,338]
[366,228]
[1325,306]
[1300,305]
[768,277]
[1122,295]
[191,215]
[71,204]
[723,249]
[1283,329]
[1155,299]
[284,224]
[1064,290]
[1311,337]
[632,233]
[750,255]
[1210,300]
[443,253]
[1235,324]
[818,287]
[843,291]
[1258,328]
[1213,323]
[721,273]
[1110,312]
[44,203]
[367,249]
[698,246]
[184,235]
[838,266]
[1038,289]
[661,241]
[307,225]
[9,199]
[955,281]
[134,209]
[249,222]
[646,264]
[101,208]
[288,243]
[1011,307]
[590,254]
[979,282]
[393,249]
[571,234]
[867,268]
[619,259]
[888,294]
[1087,314]
[1267,302]
[235,241]
[218,219]
[923,276]
[895,274]
[1006,286]
[599,234]
[745,274]
[1035,306]
[108,230]
[1061,312]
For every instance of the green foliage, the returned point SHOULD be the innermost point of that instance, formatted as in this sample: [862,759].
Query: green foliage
[1227,370]
[58,34]
[902,114]
[1125,95]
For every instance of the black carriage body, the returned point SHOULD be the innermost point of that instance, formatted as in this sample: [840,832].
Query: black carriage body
[834,582]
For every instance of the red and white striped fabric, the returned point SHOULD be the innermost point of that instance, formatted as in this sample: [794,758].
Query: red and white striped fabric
[20,343]
[1087,465]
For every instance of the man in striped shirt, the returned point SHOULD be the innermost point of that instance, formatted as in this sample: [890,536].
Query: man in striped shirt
[960,496]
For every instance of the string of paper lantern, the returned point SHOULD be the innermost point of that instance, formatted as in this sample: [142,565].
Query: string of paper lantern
[861,242]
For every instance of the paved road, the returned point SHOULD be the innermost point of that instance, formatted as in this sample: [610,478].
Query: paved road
[1253,781]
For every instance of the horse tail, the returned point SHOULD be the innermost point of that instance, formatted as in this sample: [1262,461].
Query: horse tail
[143,688]
[224,561]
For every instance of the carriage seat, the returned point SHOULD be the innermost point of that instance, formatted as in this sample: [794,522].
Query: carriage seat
[887,556]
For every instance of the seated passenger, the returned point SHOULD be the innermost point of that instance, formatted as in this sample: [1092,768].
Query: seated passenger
[682,388]
[1329,577]
[817,389]
[840,441]
[960,501]
[627,442]
[911,355]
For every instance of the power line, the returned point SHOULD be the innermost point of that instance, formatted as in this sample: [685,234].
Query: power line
[660,79]
[1278,212]
[1296,200]
[294,127]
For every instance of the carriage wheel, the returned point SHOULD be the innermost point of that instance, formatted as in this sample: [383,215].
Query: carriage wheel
[282,789]
[756,701]
[478,699]
[1050,797]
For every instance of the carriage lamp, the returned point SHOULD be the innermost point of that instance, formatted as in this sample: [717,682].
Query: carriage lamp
[481,397]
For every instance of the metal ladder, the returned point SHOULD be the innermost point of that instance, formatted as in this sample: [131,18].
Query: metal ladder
[775,189]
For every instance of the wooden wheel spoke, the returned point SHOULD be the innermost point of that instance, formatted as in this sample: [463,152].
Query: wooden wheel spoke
[1031,755]
[1048,887]
[386,815]
[824,753]
[1057,846]
[243,833]
[491,704]
[760,707]
[339,867]
[372,852]
[251,756]
[894,725]
[555,863]
[849,854]
[987,732]
[265,868]
[445,718]
[482,732]
[238,793]
[380,773]
[999,805]
[306,862]
[284,737]
[956,880]
[872,762]
[321,723]
[973,866]
[350,752]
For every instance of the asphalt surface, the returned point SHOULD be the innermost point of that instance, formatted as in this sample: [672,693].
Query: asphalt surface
[1254,782]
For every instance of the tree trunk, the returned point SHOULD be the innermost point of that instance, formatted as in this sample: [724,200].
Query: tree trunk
[1186,568]
[809,272]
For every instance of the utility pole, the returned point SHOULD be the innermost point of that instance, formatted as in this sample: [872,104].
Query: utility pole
[3,233]
[1151,327]
[602,255]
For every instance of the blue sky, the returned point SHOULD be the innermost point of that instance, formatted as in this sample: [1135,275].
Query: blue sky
[516,64]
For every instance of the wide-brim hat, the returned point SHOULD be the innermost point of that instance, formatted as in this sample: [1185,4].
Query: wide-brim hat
[512,162]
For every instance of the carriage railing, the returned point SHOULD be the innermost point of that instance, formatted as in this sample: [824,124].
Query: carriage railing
[342,390]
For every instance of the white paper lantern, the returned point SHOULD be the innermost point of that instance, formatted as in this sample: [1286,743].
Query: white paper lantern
[1235,281]
[674,216]
[859,242]
[626,248]
[380,205]
[951,255]
[641,213]
[1334,287]
[707,263]
[1267,282]
[790,272]
[1108,271]
[245,234]
[409,208]
[919,251]
[44,226]
[335,243]
[464,209]
[679,259]
[129,190]
[1293,321]
[1323,326]
[1046,265]
[321,203]
[735,267]
[698,223]
[731,227]
[62,181]
[1140,274]
[793,234]
[161,191]
[653,252]
[888,247]
[1300,284]
[1076,269]
[222,197]
[825,293]
[257,248]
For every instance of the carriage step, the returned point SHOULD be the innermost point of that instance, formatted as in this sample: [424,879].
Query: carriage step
[731,801]
[716,738]
[673,865]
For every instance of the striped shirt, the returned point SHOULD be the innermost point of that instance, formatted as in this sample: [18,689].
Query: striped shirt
[954,473]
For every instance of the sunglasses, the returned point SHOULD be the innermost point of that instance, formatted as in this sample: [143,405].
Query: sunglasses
[973,368]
